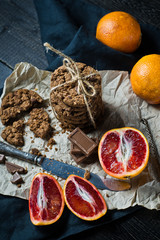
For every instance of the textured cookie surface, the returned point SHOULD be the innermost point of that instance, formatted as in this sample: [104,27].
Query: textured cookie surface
[39,123]
[16,103]
[14,134]
[68,92]
[69,106]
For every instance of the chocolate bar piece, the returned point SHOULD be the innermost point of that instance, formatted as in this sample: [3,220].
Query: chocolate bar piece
[79,158]
[77,150]
[82,141]
[82,158]
[12,168]
[77,154]
[2,158]
[16,178]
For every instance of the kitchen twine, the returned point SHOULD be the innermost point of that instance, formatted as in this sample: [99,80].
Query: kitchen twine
[75,77]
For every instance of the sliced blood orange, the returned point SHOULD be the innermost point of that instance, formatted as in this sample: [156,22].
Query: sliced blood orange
[83,198]
[46,200]
[123,152]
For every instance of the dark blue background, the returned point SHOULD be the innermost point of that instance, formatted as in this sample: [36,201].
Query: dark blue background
[70,26]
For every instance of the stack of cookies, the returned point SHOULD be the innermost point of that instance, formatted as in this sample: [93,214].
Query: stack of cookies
[69,106]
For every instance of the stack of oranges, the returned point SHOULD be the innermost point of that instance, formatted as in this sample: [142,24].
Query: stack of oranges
[120,31]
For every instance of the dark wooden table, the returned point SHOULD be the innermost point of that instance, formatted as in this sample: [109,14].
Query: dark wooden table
[20,41]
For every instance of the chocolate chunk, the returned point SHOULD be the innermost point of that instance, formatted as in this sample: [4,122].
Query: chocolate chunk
[12,168]
[77,150]
[81,158]
[2,158]
[78,158]
[16,179]
[82,141]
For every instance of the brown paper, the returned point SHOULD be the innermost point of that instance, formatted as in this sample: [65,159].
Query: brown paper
[122,108]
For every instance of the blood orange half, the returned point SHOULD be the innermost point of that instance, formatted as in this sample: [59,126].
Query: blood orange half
[46,201]
[83,198]
[123,152]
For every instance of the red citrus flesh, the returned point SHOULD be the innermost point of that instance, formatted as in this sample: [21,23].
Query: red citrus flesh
[123,152]
[46,201]
[83,198]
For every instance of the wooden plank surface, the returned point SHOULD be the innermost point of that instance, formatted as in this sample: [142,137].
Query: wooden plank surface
[19,34]
[5,71]
[145,11]
[20,41]
[142,225]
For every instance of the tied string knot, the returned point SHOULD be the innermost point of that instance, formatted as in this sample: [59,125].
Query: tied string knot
[83,85]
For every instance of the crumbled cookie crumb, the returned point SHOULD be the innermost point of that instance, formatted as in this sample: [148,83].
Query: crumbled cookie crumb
[46,150]
[56,133]
[51,142]
[87,174]
[35,151]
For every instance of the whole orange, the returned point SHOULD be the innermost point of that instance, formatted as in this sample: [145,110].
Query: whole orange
[145,78]
[120,31]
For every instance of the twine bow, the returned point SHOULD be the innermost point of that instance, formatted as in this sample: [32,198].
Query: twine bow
[83,85]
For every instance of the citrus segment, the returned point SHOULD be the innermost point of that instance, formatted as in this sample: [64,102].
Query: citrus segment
[46,201]
[120,31]
[123,152]
[145,78]
[83,198]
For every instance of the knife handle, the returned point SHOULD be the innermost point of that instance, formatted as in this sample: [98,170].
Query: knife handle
[14,152]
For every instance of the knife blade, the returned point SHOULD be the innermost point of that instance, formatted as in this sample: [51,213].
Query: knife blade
[63,170]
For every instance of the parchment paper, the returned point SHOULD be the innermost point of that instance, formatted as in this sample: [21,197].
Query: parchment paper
[122,108]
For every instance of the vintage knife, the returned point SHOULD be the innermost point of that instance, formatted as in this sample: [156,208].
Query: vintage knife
[63,170]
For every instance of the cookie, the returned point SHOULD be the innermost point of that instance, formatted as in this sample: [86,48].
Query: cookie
[79,119]
[69,92]
[16,103]
[14,134]
[67,110]
[74,118]
[69,106]
[39,123]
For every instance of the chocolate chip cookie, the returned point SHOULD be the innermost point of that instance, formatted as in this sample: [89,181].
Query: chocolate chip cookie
[68,104]
[16,103]
[13,134]
[39,123]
